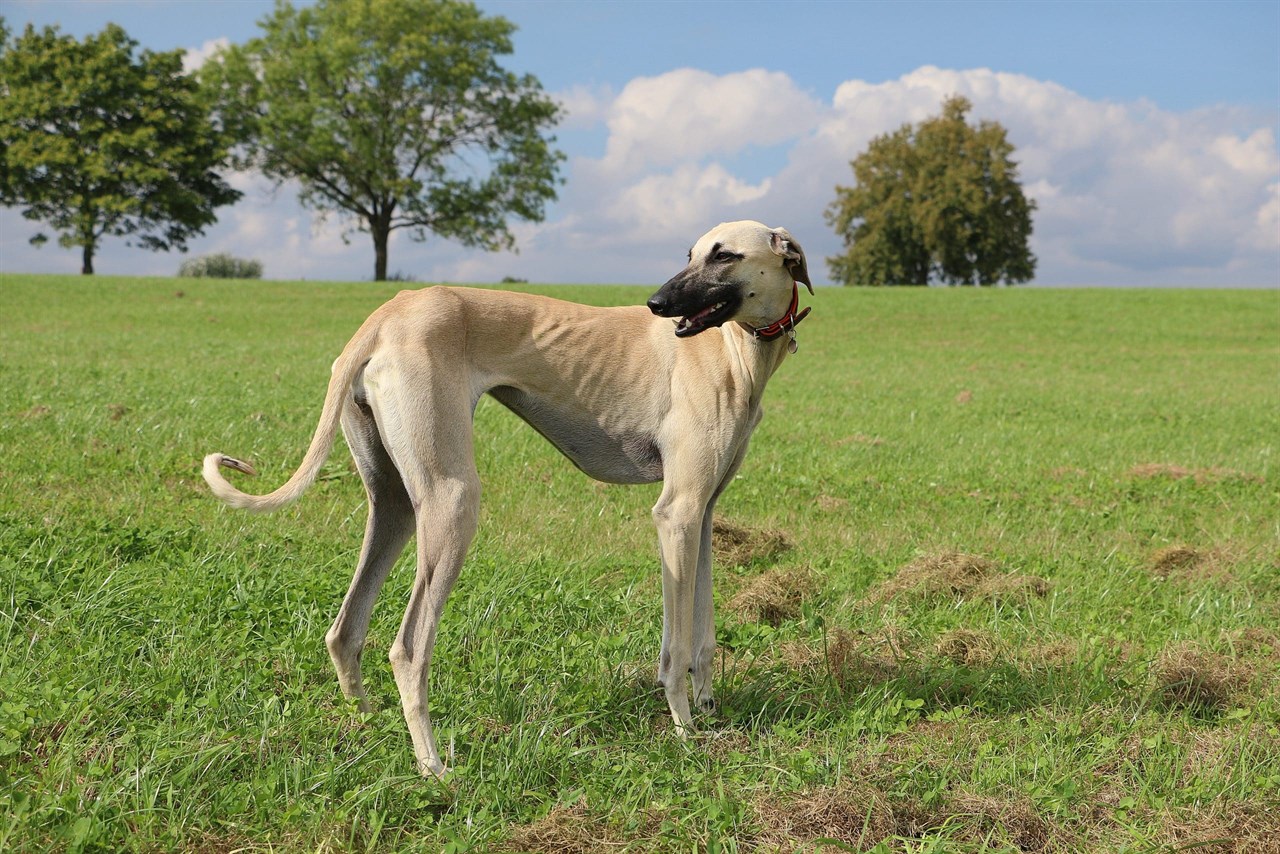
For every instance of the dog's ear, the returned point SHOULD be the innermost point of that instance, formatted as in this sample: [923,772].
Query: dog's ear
[782,243]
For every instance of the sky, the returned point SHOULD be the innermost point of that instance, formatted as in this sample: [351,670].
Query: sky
[1146,133]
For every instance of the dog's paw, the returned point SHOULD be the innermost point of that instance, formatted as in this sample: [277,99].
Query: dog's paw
[433,770]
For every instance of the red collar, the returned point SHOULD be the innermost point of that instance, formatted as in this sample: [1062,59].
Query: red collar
[784,324]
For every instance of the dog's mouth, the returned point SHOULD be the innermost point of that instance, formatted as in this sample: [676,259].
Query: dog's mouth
[703,319]
[699,305]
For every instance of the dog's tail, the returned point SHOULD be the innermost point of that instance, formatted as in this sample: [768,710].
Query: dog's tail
[345,370]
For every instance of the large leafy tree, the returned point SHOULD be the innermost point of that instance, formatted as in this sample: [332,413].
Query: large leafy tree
[937,202]
[96,141]
[396,115]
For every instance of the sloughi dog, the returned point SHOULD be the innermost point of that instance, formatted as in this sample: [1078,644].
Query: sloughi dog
[625,394]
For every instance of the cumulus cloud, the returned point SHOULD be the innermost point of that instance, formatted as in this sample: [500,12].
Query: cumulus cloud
[195,57]
[1128,193]
[584,106]
[680,202]
[687,114]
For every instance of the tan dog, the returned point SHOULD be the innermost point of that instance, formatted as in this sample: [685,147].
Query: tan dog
[620,395]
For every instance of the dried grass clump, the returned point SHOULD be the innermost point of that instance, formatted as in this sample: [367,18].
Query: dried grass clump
[1013,588]
[1233,828]
[860,815]
[775,595]
[564,830]
[1051,654]
[968,647]
[1147,471]
[1015,820]
[849,658]
[945,574]
[855,814]
[831,503]
[1183,561]
[860,439]
[1171,559]
[734,545]
[1199,680]
[1253,641]
[959,575]
[1150,470]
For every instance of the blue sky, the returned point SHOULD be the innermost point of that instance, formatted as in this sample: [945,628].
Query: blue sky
[1146,132]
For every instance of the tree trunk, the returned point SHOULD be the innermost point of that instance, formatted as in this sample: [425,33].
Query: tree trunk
[381,232]
[86,266]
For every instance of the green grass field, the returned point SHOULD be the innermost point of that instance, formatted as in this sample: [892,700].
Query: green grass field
[1005,576]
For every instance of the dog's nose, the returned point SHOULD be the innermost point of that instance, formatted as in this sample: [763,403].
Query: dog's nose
[657,304]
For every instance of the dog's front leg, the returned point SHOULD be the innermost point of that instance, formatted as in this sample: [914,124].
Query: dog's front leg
[704,619]
[704,610]
[679,520]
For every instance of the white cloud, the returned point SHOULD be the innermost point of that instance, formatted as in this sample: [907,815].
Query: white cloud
[679,203]
[1266,233]
[584,106]
[688,114]
[198,56]
[1128,193]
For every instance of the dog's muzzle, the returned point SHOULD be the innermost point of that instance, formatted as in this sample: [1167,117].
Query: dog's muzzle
[699,305]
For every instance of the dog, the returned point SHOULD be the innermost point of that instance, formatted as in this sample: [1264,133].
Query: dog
[627,397]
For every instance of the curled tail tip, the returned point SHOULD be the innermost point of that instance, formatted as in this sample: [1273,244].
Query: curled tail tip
[213,462]
[219,484]
[233,463]
[225,491]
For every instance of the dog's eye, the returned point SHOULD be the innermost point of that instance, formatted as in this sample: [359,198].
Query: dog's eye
[724,256]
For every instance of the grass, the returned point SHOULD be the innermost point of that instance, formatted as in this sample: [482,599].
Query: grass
[1022,547]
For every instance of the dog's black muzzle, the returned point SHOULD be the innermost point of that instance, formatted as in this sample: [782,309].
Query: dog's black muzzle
[699,304]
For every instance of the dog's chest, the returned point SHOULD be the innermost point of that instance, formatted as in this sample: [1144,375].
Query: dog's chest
[609,452]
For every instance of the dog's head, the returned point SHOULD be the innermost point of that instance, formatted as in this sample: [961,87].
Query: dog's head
[740,271]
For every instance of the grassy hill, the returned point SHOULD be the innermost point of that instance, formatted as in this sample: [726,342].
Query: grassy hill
[1001,572]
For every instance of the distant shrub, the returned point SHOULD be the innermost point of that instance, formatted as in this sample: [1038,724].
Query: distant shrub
[399,276]
[220,266]
[514,280]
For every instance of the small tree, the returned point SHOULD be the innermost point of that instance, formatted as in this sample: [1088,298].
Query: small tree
[936,202]
[95,141]
[394,113]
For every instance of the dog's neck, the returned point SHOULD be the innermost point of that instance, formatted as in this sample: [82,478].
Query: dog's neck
[761,349]
[783,326]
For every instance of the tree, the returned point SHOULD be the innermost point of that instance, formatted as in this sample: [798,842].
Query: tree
[396,115]
[95,141]
[937,202]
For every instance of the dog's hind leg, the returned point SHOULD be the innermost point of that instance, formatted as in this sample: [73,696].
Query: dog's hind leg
[428,430]
[388,528]
[443,538]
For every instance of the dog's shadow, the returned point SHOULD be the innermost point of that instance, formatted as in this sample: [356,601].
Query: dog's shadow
[878,694]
